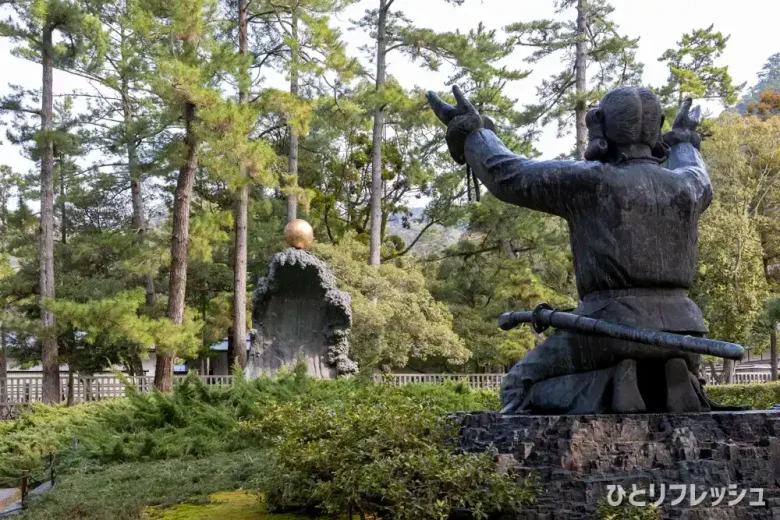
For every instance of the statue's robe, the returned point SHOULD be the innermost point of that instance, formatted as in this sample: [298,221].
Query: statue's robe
[633,233]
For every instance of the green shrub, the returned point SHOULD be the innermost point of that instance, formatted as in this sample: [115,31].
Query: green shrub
[758,396]
[194,421]
[627,512]
[123,491]
[383,451]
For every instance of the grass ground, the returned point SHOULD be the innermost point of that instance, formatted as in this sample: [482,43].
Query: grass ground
[127,491]
[227,505]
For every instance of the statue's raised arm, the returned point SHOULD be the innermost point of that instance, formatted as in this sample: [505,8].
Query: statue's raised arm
[540,185]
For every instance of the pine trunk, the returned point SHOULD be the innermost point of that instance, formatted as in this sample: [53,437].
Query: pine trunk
[773,352]
[238,331]
[231,349]
[163,374]
[375,237]
[239,275]
[136,187]
[3,368]
[70,386]
[580,79]
[63,208]
[728,371]
[139,214]
[49,355]
[292,157]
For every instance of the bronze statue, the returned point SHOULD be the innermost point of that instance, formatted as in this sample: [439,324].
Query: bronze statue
[633,209]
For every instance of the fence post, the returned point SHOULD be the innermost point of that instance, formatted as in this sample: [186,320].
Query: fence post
[25,483]
[52,468]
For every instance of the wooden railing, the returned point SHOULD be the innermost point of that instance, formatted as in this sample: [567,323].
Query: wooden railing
[482,381]
[15,390]
[742,378]
[28,389]
[493,381]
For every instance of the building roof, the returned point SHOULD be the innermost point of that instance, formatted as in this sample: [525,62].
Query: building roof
[222,346]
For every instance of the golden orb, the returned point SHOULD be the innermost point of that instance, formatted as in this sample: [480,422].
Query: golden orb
[298,234]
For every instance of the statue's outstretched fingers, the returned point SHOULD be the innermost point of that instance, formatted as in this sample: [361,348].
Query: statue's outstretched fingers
[444,111]
[683,120]
[686,106]
[464,105]
[695,114]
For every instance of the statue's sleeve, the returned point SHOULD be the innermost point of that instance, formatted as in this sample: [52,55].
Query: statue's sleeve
[550,186]
[686,160]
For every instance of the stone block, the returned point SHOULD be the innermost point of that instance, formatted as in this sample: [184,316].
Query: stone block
[576,458]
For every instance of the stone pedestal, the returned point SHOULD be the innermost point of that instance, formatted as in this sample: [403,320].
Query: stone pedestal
[577,458]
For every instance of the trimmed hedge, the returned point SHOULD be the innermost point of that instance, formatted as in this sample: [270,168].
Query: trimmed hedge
[759,396]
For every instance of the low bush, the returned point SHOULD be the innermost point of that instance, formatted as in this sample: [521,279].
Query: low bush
[758,396]
[384,452]
[627,512]
[124,491]
[196,423]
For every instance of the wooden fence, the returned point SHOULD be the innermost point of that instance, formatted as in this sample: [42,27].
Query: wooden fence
[742,378]
[482,381]
[15,390]
[20,390]
[493,381]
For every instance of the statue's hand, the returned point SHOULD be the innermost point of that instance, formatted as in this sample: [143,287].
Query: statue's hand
[685,125]
[462,120]
[687,119]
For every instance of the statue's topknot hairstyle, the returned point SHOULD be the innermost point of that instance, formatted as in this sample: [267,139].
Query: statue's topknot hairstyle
[632,115]
[625,116]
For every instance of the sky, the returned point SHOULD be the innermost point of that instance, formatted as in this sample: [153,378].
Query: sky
[751,24]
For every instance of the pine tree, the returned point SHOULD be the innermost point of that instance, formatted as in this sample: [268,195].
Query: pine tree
[8,183]
[186,60]
[392,31]
[240,217]
[693,72]
[590,39]
[126,119]
[34,27]
[300,42]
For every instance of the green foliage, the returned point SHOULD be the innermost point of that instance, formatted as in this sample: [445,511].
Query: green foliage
[768,80]
[693,72]
[512,259]
[758,396]
[692,69]
[381,452]
[194,421]
[81,494]
[121,318]
[739,232]
[730,286]
[613,53]
[627,512]
[395,317]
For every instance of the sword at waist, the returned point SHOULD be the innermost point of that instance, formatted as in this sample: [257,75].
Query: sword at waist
[545,316]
